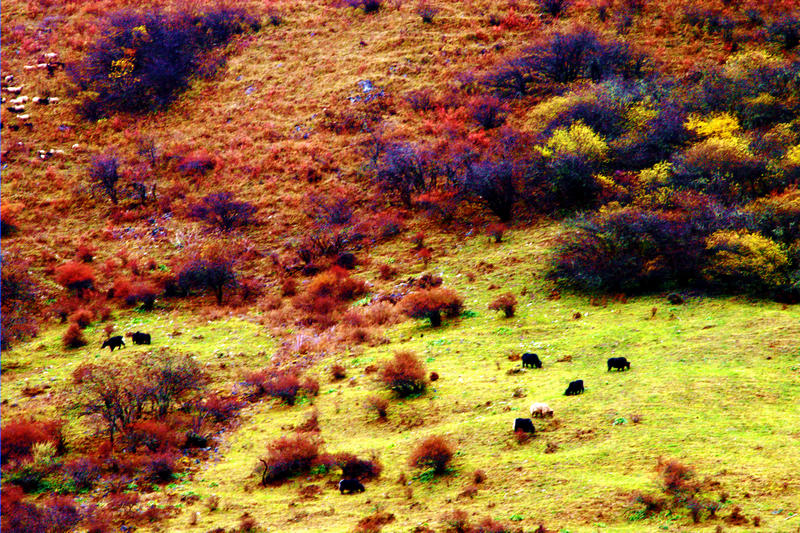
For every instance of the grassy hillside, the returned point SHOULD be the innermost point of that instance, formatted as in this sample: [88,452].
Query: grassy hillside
[297,119]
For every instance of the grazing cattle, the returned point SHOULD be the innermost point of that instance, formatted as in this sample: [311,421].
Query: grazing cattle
[620,363]
[541,410]
[350,485]
[531,360]
[575,387]
[140,338]
[524,424]
[113,342]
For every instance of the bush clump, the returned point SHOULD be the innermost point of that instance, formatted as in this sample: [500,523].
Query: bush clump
[505,302]
[144,60]
[290,456]
[434,452]
[223,211]
[431,303]
[404,374]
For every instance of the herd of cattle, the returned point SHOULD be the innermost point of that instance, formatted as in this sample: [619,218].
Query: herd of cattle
[525,425]
[117,342]
[542,410]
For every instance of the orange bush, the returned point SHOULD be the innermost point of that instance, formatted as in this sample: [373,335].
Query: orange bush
[506,303]
[73,338]
[20,435]
[430,303]
[434,452]
[288,457]
[75,276]
[404,374]
[81,317]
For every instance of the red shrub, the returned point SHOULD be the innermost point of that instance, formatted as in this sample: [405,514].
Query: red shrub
[19,436]
[22,517]
[457,521]
[311,424]
[434,376]
[83,471]
[355,468]
[60,513]
[159,467]
[379,405]
[338,372]
[288,457]
[487,525]
[374,522]
[387,272]
[496,231]
[152,434]
[285,386]
[73,338]
[505,302]
[85,253]
[404,374]
[310,386]
[434,452]
[81,317]
[75,276]
[220,408]
[430,303]
[288,287]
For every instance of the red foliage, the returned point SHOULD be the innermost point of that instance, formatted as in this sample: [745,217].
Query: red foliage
[220,408]
[85,253]
[288,287]
[153,434]
[73,338]
[338,372]
[285,386]
[505,302]
[405,374]
[355,468]
[434,452]
[374,522]
[288,457]
[310,386]
[387,272]
[82,317]
[430,303]
[19,436]
[159,467]
[75,276]
[496,231]
[379,405]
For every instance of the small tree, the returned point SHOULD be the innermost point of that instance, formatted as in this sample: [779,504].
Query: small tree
[494,184]
[506,303]
[434,452]
[104,174]
[222,211]
[214,274]
[404,374]
[170,376]
[431,303]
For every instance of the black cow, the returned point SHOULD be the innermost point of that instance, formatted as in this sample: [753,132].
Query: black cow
[524,424]
[620,363]
[351,486]
[575,387]
[113,342]
[140,338]
[531,360]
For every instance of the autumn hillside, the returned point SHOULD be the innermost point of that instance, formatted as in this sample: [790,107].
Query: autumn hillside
[251,249]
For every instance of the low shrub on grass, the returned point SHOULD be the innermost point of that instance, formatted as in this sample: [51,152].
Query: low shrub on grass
[431,303]
[434,453]
[404,374]
[290,456]
[505,302]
